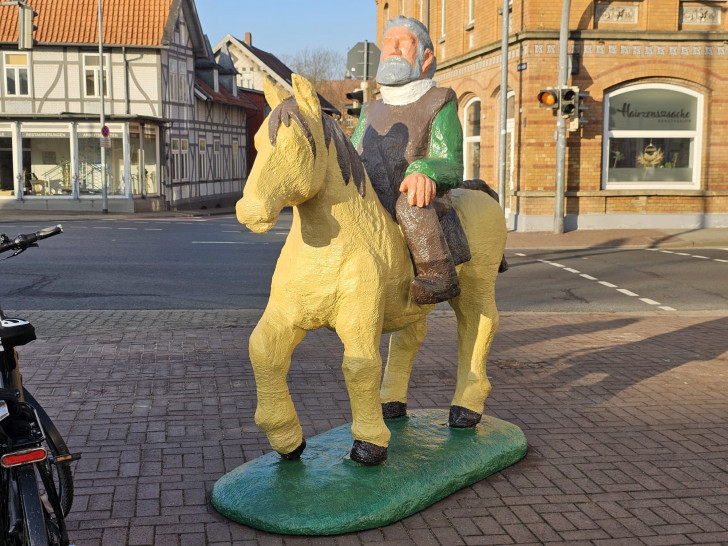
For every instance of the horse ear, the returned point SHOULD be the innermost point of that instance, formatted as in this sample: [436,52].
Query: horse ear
[274,95]
[306,96]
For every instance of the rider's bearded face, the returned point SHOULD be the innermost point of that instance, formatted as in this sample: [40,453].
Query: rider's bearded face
[400,62]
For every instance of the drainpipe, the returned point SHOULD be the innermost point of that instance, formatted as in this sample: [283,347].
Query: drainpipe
[104,197]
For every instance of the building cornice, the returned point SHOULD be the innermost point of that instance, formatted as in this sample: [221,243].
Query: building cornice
[581,35]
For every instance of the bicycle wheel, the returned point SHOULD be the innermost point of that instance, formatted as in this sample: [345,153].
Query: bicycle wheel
[62,475]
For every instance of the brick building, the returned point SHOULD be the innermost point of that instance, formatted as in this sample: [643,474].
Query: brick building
[653,152]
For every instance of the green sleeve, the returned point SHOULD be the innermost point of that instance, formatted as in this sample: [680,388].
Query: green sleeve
[444,165]
[359,131]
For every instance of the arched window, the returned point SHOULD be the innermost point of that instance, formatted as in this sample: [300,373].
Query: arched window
[471,138]
[652,137]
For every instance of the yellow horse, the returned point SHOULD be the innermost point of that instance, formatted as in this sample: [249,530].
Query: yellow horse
[345,266]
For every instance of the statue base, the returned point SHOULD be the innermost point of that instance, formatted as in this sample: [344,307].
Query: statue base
[326,493]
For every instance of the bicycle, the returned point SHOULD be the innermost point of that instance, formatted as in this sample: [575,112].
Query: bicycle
[36,484]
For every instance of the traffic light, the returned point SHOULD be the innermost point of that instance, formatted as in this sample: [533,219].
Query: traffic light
[568,107]
[357,98]
[577,120]
[26,26]
[548,98]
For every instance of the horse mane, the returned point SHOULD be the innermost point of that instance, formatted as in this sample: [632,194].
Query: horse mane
[349,161]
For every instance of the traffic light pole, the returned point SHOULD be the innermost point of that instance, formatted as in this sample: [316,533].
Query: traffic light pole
[503,106]
[560,187]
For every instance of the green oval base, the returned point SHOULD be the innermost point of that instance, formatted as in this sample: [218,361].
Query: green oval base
[326,493]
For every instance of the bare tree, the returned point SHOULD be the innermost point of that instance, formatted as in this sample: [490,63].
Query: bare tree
[317,65]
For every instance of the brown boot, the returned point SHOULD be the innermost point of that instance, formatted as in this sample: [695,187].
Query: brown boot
[436,278]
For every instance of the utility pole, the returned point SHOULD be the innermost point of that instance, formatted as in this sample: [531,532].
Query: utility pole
[560,186]
[502,141]
[104,197]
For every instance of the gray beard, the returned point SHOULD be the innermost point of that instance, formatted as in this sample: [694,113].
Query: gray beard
[397,71]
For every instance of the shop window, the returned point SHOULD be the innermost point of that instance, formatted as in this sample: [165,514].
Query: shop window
[16,74]
[652,137]
[92,76]
[471,137]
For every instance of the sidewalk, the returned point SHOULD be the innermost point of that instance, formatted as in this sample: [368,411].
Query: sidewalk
[625,417]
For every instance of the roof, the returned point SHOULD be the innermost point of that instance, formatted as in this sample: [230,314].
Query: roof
[277,66]
[125,22]
[224,96]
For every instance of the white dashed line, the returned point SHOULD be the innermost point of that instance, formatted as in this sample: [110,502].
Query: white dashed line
[720,260]
[152,229]
[701,257]
[624,291]
[696,256]
[627,292]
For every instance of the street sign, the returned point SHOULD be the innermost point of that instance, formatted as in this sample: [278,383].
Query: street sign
[105,142]
[362,61]
[521,67]
[105,131]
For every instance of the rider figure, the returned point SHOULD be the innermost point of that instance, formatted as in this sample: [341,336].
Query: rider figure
[410,141]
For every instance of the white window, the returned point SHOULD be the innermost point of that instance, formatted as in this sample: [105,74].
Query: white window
[216,172]
[652,137]
[236,159]
[173,80]
[471,137]
[92,75]
[16,74]
[184,159]
[471,11]
[175,158]
[202,160]
[183,95]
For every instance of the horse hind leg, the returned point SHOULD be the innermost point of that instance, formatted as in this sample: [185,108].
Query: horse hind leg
[270,348]
[403,346]
[477,322]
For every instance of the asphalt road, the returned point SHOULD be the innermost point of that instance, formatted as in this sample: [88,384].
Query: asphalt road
[215,263]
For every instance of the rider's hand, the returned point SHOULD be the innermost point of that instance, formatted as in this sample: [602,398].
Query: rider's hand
[420,189]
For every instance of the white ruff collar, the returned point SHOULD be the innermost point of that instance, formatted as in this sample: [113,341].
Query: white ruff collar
[399,95]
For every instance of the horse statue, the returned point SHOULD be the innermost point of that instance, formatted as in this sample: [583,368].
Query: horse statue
[345,266]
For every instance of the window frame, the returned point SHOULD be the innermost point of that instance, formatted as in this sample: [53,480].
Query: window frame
[17,69]
[96,69]
[202,158]
[696,135]
[470,103]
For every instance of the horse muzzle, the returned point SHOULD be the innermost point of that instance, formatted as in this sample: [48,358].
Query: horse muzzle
[252,214]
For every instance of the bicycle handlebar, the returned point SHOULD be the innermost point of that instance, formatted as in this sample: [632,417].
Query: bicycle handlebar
[25,240]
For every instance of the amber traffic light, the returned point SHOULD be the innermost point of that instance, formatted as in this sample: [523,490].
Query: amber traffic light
[548,98]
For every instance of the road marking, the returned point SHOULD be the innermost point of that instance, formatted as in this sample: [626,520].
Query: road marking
[152,229]
[232,231]
[627,292]
[667,251]
[519,254]
[128,228]
[103,227]
[696,256]
[701,257]
[624,291]
[720,260]
[226,243]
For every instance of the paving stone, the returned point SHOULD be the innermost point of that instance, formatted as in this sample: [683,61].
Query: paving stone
[625,418]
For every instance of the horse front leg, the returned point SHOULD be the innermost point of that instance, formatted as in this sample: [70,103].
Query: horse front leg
[271,346]
[403,347]
[362,366]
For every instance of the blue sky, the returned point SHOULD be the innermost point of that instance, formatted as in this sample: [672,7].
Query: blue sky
[284,27]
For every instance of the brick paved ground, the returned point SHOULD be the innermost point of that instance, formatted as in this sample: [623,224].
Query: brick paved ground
[625,416]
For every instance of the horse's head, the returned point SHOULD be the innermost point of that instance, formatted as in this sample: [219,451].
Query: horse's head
[286,171]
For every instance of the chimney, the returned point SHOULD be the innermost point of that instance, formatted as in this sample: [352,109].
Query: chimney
[248,39]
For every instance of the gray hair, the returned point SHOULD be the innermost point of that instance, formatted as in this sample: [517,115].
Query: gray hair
[424,41]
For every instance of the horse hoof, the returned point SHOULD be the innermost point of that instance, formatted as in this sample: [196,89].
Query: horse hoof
[368,454]
[295,454]
[461,417]
[392,410]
